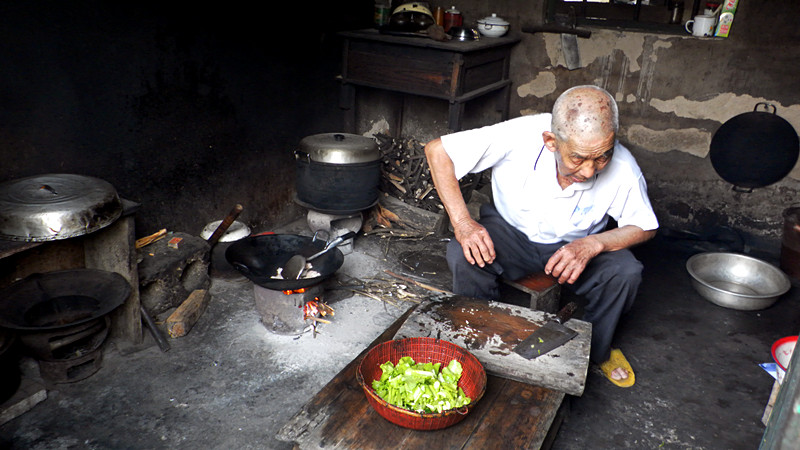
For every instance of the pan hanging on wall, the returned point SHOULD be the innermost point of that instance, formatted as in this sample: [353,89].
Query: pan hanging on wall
[754,149]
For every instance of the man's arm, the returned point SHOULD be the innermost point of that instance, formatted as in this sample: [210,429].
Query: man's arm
[568,262]
[473,237]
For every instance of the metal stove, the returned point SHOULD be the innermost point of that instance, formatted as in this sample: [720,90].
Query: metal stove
[68,354]
[62,319]
[290,312]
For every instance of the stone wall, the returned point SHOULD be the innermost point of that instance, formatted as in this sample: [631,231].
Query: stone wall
[673,91]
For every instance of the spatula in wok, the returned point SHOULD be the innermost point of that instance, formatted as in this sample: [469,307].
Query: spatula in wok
[551,335]
[296,265]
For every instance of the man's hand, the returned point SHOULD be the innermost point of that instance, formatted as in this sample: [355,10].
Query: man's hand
[475,242]
[568,262]
[473,237]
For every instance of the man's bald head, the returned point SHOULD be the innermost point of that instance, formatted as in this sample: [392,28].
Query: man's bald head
[584,112]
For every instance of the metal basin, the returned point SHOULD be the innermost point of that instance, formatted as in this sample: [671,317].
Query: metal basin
[737,281]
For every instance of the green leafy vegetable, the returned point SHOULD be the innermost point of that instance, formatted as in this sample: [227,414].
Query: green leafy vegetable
[421,387]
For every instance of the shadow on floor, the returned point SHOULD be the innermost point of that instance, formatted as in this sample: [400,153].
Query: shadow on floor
[698,382]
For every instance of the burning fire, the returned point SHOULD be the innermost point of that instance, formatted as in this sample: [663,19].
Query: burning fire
[294,291]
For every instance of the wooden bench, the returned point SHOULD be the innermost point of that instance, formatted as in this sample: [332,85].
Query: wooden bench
[543,289]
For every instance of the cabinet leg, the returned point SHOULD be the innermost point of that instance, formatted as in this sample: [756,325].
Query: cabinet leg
[455,116]
[502,102]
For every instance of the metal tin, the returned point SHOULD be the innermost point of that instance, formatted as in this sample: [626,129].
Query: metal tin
[339,148]
[56,206]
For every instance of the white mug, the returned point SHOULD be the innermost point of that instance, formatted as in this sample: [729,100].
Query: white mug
[701,26]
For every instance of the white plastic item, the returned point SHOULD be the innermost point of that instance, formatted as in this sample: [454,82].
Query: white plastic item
[493,26]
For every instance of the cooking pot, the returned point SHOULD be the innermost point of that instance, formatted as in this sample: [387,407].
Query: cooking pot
[56,206]
[259,257]
[754,149]
[492,26]
[337,173]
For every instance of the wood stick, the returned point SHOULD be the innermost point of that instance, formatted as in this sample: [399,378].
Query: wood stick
[398,186]
[317,319]
[181,321]
[417,283]
[384,300]
[150,239]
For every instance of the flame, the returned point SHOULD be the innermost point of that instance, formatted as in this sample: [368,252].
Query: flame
[294,291]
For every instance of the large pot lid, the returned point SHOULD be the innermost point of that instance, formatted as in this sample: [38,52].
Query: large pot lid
[53,300]
[340,148]
[56,206]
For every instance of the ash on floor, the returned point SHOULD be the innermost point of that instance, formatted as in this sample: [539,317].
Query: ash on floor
[232,384]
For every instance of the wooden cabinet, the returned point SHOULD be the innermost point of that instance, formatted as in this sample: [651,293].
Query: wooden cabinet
[454,71]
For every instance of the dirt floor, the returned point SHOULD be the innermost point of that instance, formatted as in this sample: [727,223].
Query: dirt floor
[231,383]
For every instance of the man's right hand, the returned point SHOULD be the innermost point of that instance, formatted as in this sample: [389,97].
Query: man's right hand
[474,239]
[475,242]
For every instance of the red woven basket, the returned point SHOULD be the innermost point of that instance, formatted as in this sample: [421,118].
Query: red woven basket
[422,350]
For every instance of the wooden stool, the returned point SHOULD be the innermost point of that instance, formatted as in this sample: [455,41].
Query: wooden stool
[543,289]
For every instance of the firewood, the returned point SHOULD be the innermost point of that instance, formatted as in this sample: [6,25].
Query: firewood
[150,239]
[181,321]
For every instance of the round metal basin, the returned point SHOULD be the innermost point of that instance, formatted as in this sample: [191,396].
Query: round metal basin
[737,281]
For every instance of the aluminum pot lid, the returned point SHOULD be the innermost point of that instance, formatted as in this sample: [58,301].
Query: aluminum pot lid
[340,148]
[493,20]
[56,206]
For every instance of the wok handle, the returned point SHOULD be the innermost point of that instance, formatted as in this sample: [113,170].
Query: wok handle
[767,106]
[154,331]
[333,244]
[223,226]
[302,155]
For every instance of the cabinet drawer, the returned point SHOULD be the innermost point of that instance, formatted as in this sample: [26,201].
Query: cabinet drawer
[412,70]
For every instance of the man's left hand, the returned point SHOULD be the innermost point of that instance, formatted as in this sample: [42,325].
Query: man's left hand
[568,262]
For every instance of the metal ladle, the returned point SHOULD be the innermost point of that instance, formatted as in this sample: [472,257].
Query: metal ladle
[296,265]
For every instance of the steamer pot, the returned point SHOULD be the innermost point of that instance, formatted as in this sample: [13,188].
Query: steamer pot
[337,173]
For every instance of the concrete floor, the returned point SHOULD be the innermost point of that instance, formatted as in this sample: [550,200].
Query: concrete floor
[232,384]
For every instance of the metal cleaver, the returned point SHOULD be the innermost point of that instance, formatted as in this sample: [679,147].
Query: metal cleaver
[551,335]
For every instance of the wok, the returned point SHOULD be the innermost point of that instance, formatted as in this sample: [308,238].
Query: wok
[259,257]
[754,149]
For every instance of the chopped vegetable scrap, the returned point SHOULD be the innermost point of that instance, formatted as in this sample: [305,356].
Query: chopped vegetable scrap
[421,387]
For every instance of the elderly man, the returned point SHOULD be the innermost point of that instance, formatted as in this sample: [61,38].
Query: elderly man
[556,180]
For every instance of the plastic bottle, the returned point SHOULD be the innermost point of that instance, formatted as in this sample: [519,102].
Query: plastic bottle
[382,8]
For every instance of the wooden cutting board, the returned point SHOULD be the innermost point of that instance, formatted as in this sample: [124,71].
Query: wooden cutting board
[490,331]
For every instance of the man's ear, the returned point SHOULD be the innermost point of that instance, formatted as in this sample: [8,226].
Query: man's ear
[549,139]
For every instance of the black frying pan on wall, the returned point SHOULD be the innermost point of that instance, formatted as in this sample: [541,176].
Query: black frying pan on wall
[754,149]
